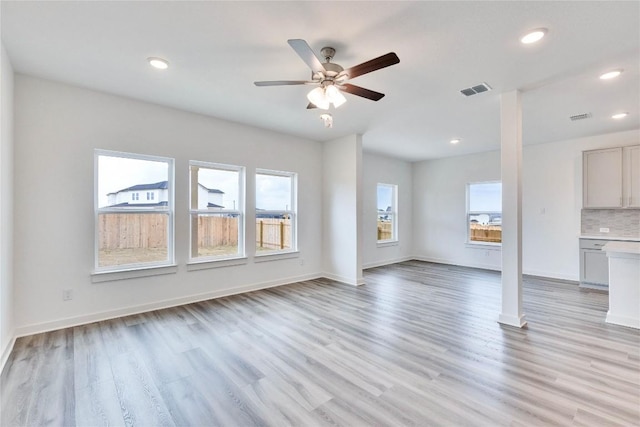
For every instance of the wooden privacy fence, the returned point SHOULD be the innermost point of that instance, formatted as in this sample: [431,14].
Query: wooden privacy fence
[385,230]
[273,233]
[216,231]
[132,231]
[486,233]
[137,231]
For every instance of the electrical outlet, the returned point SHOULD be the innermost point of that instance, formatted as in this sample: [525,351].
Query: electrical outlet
[67,294]
[604,229]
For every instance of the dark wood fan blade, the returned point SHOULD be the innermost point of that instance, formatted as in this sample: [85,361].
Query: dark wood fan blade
[311,105]
[375,64]
[304,51]
[281,83]
[360,91]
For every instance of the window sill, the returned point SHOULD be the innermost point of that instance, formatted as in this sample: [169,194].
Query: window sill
[385,243]
[276,256]
[484,246]
[195,265]
[109,276]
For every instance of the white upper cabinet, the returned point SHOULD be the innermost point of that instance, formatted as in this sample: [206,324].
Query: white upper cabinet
[631,169]
[602,178]
[611,178]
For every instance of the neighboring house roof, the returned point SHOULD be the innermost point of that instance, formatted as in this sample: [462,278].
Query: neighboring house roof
[138,205]
[162,185]
[211,190]
[213,205]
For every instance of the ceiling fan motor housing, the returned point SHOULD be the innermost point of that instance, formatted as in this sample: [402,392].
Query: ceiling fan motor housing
[327,53]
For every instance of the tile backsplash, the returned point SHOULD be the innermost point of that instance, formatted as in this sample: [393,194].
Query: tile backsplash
[620,222]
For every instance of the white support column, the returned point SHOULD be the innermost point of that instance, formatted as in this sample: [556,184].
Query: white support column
[511,171]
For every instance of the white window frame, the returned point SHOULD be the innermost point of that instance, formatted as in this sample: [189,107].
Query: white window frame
[168,210]
[393,213]
[469,213]
[292,212]
[239,210]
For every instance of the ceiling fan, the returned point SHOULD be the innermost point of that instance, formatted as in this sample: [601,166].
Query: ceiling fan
[331,78]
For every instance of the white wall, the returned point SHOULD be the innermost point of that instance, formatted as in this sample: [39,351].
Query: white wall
[385,170]
[6,208]
[551,203]
[439,209]
[342,209]
[57,128]
[552,180]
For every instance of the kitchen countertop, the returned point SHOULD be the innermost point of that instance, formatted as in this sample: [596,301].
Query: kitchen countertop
[616,238]
[622,248]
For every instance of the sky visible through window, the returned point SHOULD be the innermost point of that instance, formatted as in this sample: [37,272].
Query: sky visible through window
[273,192]
[223,180]
[118,173]
[385,197]
[485,197]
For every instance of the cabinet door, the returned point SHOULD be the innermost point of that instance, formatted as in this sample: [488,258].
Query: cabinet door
[602,178]
[595,265]
[631,168]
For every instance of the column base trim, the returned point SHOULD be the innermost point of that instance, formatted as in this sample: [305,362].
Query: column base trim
[622,320]
[509,320]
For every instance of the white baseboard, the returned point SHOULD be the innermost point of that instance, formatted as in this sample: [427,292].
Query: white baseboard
[6,352]
[456,263]
[551,275]
[537,273]
[137,309]
[386,262]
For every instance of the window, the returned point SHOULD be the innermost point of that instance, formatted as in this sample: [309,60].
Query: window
[275,212]
[387,213]
[484,212]
[150,195]
[131,233]
[217,211]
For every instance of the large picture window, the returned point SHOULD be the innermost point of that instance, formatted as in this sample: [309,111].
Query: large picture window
[133,231]
[484,212]
[217,211]
[276,196]
[387,202]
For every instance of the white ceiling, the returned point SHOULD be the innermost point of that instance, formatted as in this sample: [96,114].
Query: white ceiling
[218,49]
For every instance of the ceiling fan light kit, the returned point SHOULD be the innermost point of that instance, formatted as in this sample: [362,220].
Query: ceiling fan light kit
[331,78]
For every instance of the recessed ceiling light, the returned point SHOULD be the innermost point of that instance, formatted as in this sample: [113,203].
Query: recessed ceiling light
[534,35]
[159,63]
[611,74]
[620,115]
[454,141]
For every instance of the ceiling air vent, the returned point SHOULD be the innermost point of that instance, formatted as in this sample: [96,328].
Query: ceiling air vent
[580,116]
[482,87]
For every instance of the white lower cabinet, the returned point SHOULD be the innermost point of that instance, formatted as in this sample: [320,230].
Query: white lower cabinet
[594,265]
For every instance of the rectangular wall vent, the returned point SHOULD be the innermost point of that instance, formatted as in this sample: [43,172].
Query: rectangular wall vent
[482,87]
[580,116]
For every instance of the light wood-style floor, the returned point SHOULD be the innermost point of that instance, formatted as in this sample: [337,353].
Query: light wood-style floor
[417,345]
